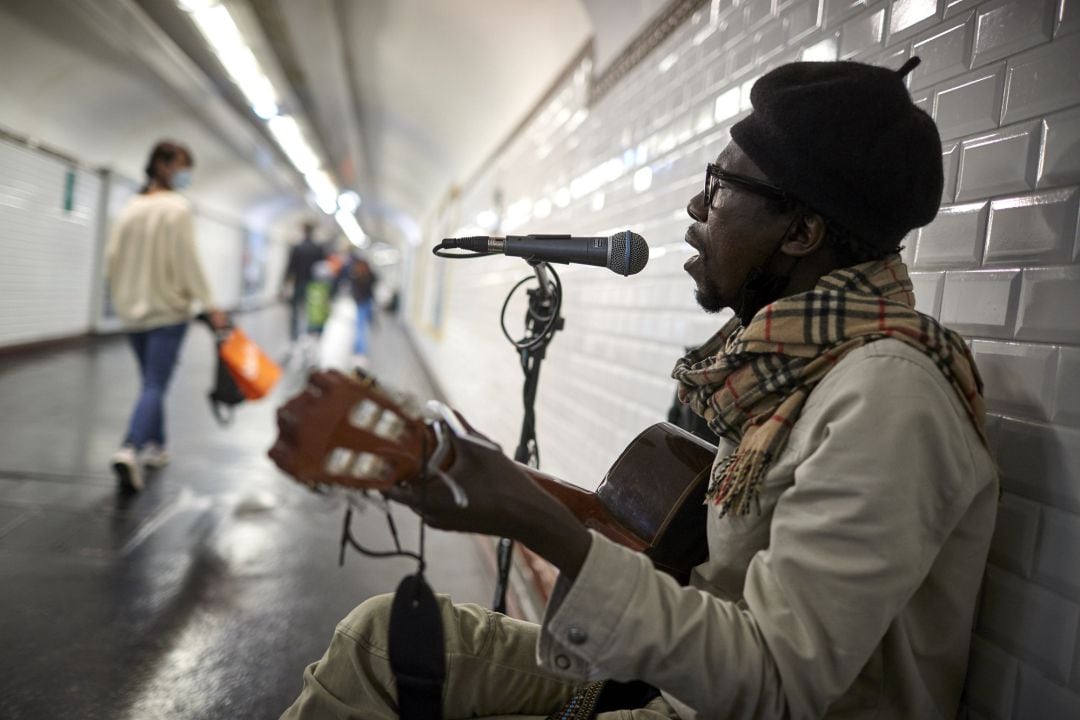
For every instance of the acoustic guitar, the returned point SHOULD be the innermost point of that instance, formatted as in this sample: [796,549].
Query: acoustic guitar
[347,431]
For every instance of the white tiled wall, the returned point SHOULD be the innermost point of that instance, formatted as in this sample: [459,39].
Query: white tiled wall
[45,252]
[1002,79]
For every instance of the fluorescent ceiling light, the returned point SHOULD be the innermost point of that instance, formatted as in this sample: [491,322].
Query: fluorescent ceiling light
[227,42]
[196,5]
[248,76]
[288,135]
[348,201]
[351,228]
[326,192]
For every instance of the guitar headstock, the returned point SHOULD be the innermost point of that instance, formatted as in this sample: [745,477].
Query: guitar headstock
[347,431]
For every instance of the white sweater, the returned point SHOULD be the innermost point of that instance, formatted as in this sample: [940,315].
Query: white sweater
[152,264]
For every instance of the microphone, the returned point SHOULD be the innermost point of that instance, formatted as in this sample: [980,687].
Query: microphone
[624,253]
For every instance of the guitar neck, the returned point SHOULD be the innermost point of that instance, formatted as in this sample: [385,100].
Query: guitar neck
[586,507]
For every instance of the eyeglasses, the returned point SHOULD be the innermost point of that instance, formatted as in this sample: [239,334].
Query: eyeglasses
[715,178]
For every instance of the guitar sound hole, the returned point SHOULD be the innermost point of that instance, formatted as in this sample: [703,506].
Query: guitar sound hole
[339,460]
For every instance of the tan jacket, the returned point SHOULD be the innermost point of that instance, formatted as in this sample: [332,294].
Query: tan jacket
[152,264]
[852,593]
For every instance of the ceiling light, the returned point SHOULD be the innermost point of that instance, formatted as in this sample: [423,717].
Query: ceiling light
[326,192]
[288,135]
[348,201]
[195,5]
[227,42]
[351,228]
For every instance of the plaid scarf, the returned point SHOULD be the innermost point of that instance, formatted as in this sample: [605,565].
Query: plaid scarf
[750,383]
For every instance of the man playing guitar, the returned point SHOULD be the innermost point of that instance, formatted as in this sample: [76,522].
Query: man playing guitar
[850,505]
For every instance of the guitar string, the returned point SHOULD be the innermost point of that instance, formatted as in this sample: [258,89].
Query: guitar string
[347,538]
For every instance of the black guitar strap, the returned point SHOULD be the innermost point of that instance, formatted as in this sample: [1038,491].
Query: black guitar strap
[417,654]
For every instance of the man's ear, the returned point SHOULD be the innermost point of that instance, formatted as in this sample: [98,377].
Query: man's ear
[807,236]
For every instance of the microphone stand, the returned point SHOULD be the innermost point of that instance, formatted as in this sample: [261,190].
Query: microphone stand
[542,321]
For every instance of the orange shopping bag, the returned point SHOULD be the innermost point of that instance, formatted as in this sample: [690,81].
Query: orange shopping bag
[252,369]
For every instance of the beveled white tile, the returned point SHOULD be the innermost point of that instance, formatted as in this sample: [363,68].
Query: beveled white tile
[955,7]
[1006,27]
[1038,697]
[1040,461]
[1055,567]
[909,16]
[991,680]
[1015,535]
[1003,161]
[837,11]
[925,102]
[970,103]
[1043,80]
[1068,387]
[800,20]
[980,302]
[954,238]
[1029,621]
[1018,379]
[1060,163]
[1068,18]
[927,287]
[944,52]
[862,33]
[1038,228]
[1049,308]
[950,165]
[757,12]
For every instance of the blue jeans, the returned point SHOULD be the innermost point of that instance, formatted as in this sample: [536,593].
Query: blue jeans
[156,350]
[363,321]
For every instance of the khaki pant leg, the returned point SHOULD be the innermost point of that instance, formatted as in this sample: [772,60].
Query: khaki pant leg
[490,664]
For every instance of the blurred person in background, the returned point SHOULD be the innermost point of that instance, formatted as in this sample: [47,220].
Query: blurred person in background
[357,272]
[154,276]
[298,275]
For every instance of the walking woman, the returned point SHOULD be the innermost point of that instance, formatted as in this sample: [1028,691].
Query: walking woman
[154,278]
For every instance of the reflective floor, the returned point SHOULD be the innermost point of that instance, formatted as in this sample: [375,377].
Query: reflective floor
[205,595]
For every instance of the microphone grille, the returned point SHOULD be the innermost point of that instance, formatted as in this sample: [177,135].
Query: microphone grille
[629,253]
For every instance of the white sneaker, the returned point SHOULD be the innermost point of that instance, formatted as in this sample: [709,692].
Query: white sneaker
[361,362]
[128,472]
[153,456]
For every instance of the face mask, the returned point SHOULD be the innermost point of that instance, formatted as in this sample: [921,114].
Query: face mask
[181,179]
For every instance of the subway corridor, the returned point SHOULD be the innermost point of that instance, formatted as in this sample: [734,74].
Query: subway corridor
[205,595]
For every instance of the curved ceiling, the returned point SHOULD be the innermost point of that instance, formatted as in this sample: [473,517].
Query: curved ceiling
[410,95]
[405,97]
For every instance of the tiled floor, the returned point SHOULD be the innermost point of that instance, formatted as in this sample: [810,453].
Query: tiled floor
[206,595]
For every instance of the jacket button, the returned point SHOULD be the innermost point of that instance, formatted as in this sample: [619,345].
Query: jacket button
[577,636]
[562,662]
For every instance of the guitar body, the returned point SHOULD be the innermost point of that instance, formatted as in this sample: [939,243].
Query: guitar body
[345,431]
[651,500]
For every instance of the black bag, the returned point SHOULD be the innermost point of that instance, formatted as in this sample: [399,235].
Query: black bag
[225,395]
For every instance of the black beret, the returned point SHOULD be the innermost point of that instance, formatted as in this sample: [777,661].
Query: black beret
[846,139]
